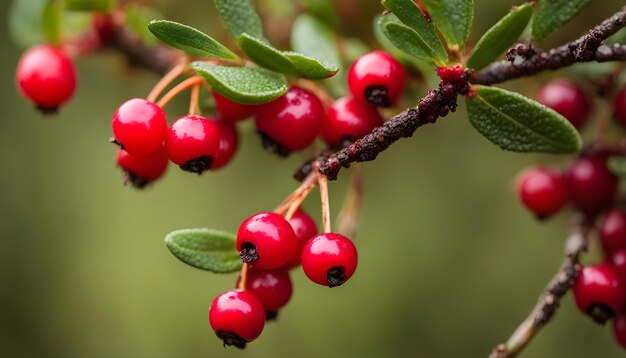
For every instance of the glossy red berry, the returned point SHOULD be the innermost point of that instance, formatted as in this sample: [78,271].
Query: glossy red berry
[237,317]
[377,78]
[599,292]
[232,110]
[291,122]
[568,99]
[266,240]
[613,231]
[272,287]
[349,119]
[140,170]
[618,260]
[139,126]
[305,228]
[619,106]
[329,259]
[619,328]
[192,143]
[229,140]
[543,191]
[46,76]
[592,187]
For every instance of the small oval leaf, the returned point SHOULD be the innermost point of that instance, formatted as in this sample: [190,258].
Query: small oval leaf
[453,18]
[552,14]
[51,23]
[189,39]
[519,124]
[406,39]
[247,85]
[264,55]
[309,67]
[500,37]
[313,39]
[411,15]
[240,17]
[210,250]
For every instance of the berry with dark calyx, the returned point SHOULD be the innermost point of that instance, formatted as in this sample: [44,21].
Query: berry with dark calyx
[329,259]
[229,140]
[291,122]
[139,126]
[192,143]
[272,287]
[613,231]
[46,76]
[347,120]
[140,170]
[619,106]
[567,99]
[237,317]
[592,187]
[543,191]
[619,328]
[305,228]
[232,110]
[266,240]
[377,79]
[599,292]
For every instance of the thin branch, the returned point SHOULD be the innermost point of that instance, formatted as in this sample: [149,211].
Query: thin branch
[158,58]
[548,303]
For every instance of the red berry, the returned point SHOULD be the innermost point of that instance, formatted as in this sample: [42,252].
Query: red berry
[272,287]
[592,187]
[329,259]
[139,126]
[266,240]
[619,328]
[305,228]
[567,99]
[599,292]
[229,139]
[103,25]
[46,76]
[192,143]
[140,170]
[613,231]
[377,78]
[618,260]
[543,191]
[291,122]
[349,119]
[237,317]
[619,106]
[232,110]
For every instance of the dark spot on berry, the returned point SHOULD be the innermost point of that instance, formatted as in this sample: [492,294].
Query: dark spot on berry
[600,313]
[248,252]
[273,146]
[198,165]
[47,111]
[231,339]
[134,180]
[377,95]
[271,315]
[335,276]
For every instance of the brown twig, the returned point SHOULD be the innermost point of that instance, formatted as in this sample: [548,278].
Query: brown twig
[558,286]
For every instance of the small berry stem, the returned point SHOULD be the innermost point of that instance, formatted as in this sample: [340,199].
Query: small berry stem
[194,107]
[190,82]
[307,185]
[243,276]
[347,221]
[322,180]
[166,80]
[297,201]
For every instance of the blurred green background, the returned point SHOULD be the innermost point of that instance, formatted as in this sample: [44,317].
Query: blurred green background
[450,263]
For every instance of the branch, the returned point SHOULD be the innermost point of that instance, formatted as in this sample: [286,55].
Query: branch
[524,60]
[548,303]
[156,58]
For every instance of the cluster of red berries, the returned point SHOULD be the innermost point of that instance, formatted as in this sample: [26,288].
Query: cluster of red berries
[270,246]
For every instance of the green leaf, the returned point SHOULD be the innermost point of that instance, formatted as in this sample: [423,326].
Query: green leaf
[552,14]
[247,85]
[406,39]
[313,39]
[519,124]
[617,165]
[411,15]
[240,17]
[24,20]
[51,23]
[453,18]
[137,20]
[190,40]
[264,55]
[206,249]
[90,5]
[500,37]
[309,67]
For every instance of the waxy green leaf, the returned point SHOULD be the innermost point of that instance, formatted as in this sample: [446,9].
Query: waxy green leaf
[89,5]
[248,85]
[240,17]
[264,55]
[315,41]
[500,37]
[309,67]
[206,249]
[190,40]
[411,15]
[51,22]
[405,38]
[519,124]
[453,18]
[552,14]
